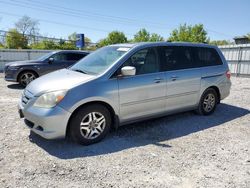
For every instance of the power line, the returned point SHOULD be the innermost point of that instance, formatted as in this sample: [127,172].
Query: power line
[37,38]
[86,12]
[63,24]
[73,13]
[220,33]
[116,17]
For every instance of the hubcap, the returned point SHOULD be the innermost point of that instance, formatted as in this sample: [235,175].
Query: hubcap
[27,78]
[92,125]
[209,102]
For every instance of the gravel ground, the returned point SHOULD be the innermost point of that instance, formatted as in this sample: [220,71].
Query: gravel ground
[183,150]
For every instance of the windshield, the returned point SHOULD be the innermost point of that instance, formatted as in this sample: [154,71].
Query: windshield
[44,57]
[100,60]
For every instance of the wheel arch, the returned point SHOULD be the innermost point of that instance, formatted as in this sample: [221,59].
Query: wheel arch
[114,117]
[217,90]
[26,70]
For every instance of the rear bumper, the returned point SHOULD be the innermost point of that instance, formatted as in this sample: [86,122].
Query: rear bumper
[48,123]
[225,90]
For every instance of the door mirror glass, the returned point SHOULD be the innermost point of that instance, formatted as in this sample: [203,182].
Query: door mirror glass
[128,71]
[51,59]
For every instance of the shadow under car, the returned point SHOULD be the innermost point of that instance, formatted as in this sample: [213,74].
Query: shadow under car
[139,134]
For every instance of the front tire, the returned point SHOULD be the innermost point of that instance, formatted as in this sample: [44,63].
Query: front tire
[90,124]
[26,77]
[208,102]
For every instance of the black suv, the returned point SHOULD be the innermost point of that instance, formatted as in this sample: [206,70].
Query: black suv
[26,71]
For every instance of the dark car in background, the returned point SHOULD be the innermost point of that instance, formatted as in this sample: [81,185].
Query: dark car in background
[26,71]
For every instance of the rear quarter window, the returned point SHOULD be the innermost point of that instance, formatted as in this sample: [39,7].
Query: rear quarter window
[208,57]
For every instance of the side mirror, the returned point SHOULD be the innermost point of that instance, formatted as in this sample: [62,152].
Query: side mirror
[128,71]
[51,59]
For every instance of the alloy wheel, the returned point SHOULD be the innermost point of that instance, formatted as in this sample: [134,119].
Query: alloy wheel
[209,102]
[26,78]
[92,125]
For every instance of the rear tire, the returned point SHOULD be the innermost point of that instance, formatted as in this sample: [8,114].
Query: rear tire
[26,77]
[208,102]
[90,124]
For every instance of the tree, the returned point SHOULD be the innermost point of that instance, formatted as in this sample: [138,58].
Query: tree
[115,37]
[248,36]
[220,42]
[155,38]
[1,46]
[66,45]
[45,45]
[16,40]
[142,36]
[28,26]
[102,42]
[63,44]
[189,33]
[52,45]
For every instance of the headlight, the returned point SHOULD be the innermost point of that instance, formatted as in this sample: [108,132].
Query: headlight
[13,67]
[51,99]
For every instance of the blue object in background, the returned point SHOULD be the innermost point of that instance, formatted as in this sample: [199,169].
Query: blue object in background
[80,42]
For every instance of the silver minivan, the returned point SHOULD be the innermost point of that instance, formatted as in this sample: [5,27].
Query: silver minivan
[125,83]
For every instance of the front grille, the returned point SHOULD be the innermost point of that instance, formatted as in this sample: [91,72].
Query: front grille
[25,99]
[26,96]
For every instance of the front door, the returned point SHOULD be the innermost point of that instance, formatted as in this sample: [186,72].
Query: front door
[59,62]
[144,93]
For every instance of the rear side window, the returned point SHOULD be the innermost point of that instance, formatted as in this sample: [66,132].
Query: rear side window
[177,57]
[207,57]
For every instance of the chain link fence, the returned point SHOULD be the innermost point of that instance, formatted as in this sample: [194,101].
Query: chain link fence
[34,39]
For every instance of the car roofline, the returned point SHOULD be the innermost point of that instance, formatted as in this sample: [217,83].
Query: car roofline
[74,51]
[148,44]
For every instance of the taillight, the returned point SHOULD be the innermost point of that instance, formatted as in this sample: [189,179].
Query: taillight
[228,74]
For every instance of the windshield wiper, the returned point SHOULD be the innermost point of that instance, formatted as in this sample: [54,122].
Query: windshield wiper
[78,70]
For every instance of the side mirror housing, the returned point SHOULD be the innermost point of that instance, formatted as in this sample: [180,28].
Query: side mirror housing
[128,71]
[51,59]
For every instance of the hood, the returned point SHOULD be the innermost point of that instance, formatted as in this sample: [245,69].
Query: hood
[21,63]
[63,79]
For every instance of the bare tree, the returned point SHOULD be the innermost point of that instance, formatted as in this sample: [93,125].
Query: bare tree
[28,27]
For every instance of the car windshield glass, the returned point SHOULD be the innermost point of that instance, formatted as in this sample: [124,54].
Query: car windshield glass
[44,57]
[100,60]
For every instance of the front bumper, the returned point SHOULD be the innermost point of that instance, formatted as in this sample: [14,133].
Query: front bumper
[10,75]
[48,123]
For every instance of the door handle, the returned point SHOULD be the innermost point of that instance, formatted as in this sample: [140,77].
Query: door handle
[173,78]
[158,80]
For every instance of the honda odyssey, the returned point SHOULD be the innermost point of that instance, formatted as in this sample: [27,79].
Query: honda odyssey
[125,83]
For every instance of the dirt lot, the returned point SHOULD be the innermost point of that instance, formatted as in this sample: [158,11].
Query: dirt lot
[183,150]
